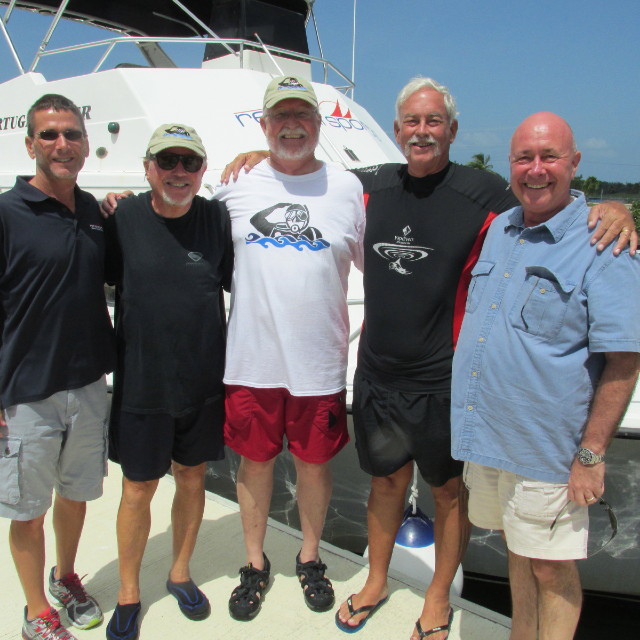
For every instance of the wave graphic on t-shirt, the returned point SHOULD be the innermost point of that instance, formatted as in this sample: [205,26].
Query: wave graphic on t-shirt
[283,241]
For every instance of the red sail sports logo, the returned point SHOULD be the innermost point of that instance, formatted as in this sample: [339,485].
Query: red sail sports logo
[333,113]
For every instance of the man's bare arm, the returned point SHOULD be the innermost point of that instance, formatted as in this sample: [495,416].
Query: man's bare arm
[609,404]
[110,203]
[247,160]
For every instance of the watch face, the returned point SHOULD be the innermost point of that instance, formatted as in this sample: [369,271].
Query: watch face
[586,456]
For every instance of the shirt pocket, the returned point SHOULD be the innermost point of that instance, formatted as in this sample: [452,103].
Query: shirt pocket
[9,470]
[542,303]
[479,278]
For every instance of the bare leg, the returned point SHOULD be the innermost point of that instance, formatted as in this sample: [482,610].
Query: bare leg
[26,541]
[559,598]
[313,492]
[186,517]
[524,599]
[384,517]
[255,485]
[68,520]
[451,536]
[132,527]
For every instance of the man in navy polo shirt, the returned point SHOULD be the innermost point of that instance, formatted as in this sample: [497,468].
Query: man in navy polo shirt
[545,366]
[55,349]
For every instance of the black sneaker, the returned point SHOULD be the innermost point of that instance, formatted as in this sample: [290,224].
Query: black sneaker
[192,602]
[246,599]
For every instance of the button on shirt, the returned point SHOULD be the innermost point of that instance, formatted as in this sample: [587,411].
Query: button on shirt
[543,309]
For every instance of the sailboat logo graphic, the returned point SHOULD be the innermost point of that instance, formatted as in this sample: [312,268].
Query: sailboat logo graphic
[338,113]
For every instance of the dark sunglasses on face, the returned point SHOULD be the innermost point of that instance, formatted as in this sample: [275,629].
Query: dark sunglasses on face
[169,161]
[72,135]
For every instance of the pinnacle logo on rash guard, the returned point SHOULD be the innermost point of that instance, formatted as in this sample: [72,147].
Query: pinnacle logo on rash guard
[195,259]
[286,225]
[401,250]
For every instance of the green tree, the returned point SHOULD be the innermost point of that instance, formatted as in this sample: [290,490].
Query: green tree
[591,186]
[480,161]
[577,183]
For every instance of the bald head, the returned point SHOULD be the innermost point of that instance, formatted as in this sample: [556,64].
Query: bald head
[543,161]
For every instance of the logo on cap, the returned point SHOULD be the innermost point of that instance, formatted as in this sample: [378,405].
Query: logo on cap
[291,83]
[178,132]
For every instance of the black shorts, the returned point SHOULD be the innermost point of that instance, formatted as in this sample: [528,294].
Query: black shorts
[145,444]
[393,427]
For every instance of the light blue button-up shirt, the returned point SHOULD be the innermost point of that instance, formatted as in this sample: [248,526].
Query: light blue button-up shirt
[543,308]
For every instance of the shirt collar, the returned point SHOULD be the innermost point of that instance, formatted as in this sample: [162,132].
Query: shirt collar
[557,225]
[32,194]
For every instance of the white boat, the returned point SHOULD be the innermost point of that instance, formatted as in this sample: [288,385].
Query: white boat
[135,84]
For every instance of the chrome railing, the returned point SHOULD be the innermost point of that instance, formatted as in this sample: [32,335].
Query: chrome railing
[111,43]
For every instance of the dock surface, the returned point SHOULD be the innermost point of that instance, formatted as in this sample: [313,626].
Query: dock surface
[218,556]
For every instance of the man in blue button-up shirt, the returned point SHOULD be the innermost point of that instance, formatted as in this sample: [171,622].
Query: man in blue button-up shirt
[545,366]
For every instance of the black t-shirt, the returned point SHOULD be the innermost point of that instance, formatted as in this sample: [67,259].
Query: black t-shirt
[170,322]
[56,332]
[422,237]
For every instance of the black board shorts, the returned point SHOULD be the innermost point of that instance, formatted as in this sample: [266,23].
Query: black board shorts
[394,427]
[144,444]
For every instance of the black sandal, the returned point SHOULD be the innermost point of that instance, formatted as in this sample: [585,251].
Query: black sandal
[246,599]
[430,632]
[317,588]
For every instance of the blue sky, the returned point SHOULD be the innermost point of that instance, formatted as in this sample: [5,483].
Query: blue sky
[501,60]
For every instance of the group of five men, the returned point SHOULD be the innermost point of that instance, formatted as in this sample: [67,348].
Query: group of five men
[282,238]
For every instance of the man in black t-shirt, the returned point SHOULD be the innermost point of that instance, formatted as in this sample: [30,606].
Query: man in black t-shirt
[56,346]
[170,255]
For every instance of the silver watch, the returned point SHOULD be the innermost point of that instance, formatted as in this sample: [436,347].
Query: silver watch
[588,457]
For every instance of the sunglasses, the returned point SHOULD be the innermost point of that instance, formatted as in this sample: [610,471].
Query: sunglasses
[168,161]
[72,135]
[613,522]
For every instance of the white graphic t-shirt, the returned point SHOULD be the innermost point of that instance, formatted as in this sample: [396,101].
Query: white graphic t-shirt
[294,239]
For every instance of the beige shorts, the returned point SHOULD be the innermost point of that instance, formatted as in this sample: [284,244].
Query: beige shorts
[524,509]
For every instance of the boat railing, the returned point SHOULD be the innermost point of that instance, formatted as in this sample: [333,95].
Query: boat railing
[344,83]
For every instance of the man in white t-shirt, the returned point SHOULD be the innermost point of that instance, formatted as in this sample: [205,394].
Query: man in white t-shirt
[297,226]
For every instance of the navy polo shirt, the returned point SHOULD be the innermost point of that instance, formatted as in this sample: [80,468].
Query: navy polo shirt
[55,329]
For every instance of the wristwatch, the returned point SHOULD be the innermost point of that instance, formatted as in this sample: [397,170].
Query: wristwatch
[588,457]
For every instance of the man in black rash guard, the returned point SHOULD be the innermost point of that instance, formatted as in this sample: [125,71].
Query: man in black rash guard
[426,222]
[416,268]
[170,255]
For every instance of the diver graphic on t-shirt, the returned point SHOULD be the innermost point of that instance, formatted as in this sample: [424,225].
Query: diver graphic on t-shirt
[288,227]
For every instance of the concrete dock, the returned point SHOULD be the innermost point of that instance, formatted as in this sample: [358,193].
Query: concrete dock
[218,556]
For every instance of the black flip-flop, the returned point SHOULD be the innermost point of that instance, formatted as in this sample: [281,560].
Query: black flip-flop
[429,632]
[371,608]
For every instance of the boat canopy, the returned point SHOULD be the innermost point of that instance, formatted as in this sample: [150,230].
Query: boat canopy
[166,18]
